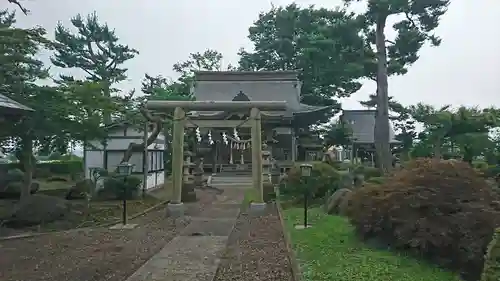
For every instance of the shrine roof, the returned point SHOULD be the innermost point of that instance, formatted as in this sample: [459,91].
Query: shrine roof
[10,106]
[254,86]
[251,86]
[362,123]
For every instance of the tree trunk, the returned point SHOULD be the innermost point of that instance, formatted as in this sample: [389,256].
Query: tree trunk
[27,163]
[106,113]
[382,128]
[437,149]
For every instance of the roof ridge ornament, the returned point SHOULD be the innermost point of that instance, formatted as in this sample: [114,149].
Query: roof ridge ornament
[241,97]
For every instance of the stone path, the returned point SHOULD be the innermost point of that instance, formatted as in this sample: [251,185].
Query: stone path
[195,253]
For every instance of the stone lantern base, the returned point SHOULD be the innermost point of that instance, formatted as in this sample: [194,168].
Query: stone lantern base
[188,194]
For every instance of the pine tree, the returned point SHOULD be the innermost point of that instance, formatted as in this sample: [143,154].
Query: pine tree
[385,57]
[94,49]
[20,71]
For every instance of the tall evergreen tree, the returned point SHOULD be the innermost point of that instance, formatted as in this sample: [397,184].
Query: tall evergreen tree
[20,71]
[95,49]
[419,19]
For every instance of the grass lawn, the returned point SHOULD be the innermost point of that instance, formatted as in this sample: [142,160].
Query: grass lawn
[330,251]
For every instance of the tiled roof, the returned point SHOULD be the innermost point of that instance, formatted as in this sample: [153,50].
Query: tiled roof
[252,85]
[362,123]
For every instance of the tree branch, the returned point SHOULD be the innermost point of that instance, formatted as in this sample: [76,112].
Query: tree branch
[23,9]
[157,123]
[411,20]
[92,75]
[391,42]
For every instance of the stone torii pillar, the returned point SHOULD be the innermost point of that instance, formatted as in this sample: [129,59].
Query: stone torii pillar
[175,207]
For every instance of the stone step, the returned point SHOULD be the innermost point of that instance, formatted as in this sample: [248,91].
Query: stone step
[231,181]
[234,176]
[240,172]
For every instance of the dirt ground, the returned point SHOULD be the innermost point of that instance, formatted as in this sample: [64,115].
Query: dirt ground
[93,255]
[256,250]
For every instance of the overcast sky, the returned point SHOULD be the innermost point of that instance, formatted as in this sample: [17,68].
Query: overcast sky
[465,69]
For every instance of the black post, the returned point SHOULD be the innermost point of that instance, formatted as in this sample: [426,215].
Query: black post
[124,213]
[305,203]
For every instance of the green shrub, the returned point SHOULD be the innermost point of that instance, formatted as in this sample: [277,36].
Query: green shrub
[116,187]
[55,167]
[80,190]
[491,171]
[324,180]
[491,270]
[15,175]
[67,157]
[371,172]
[63,167]
[346,179]
[376,180]
[441,210]
[56,155]
[13,189]
[367,171]
[57,179]
[42,173]
[480,165]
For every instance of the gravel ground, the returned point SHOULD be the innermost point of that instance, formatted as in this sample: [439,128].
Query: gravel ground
[256,250]
[92,255]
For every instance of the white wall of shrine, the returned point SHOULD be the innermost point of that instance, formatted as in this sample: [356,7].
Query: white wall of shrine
[109,155]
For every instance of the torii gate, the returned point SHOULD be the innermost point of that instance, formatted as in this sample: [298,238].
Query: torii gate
[175,206]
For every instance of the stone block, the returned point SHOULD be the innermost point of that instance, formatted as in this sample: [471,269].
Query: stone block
[175,210]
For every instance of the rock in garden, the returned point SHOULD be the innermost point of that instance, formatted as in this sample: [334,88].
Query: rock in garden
[80,190]
[37,209]
[13,189]
[335,200]
[344,204]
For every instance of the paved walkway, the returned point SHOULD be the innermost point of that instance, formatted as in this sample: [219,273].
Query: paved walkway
[194,254]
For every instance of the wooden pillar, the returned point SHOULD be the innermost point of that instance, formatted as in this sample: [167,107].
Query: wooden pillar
[257,153]
[177,154]
[294,146]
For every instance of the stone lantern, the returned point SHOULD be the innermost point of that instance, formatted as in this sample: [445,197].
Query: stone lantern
[188,194]
[266,165]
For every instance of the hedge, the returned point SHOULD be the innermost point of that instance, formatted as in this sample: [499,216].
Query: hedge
[63,167]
